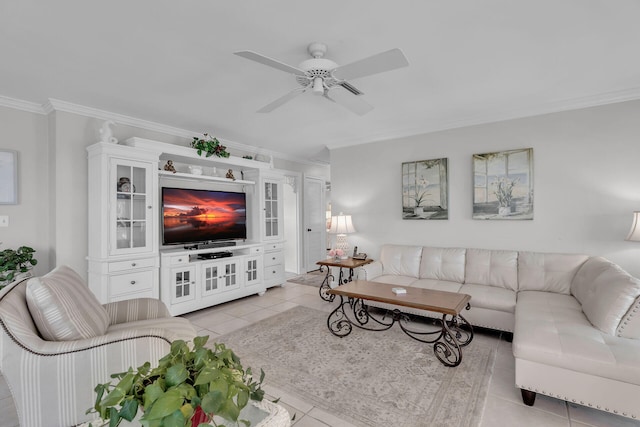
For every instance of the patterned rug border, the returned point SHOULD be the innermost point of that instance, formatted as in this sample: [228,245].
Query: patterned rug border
[446,400]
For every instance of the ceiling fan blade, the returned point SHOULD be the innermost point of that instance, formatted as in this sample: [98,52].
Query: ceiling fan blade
[351,88]
[355,104]
[249,54]
[385,61]
[282,100]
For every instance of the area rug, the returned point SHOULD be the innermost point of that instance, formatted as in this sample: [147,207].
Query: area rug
[366,378]
[313,278]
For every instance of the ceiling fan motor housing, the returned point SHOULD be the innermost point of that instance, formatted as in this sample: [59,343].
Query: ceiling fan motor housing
[318,68]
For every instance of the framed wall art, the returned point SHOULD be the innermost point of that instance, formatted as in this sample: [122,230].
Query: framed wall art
[425,189]
[8,177]
[503,185]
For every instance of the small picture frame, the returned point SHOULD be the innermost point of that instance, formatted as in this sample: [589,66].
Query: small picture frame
[8,177]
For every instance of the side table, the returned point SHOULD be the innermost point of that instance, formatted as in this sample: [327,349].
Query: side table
[349,263]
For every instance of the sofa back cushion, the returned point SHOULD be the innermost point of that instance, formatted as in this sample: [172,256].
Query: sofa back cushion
[63,308]
[606,293]
[492,268]
[401,260]
[548,272]
[629,326]
[443,264]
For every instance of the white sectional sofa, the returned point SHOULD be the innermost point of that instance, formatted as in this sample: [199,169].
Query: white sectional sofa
[575,319]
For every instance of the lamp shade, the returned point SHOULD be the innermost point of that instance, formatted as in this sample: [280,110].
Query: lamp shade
[634,233]
[341,224]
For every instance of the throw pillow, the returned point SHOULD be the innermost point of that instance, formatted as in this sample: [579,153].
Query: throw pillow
[605,291]
[63,308]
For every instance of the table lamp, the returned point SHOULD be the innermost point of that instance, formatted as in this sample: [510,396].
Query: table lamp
[634,233]
[341,225]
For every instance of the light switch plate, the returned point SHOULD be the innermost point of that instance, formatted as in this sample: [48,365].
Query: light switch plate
[4,220]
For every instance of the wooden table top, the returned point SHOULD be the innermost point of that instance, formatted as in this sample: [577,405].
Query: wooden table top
[424,299]
[346,263]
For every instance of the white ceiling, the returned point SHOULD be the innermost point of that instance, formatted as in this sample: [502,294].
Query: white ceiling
[172,62]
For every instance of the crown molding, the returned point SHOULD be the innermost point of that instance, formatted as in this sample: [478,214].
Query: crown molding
[19,104]
[59,105]
[499,116]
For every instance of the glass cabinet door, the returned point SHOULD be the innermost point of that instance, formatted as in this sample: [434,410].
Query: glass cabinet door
[131,221]
[271,209]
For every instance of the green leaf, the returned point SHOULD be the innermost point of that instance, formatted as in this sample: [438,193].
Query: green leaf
[199,342]
[229,411]
[212,402]
[176,419]
[207,375]
[164,405]
[176,374]
[151,393]
[242,399]
[129,409]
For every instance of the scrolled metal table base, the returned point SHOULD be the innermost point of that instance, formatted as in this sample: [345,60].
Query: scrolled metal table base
[454,332]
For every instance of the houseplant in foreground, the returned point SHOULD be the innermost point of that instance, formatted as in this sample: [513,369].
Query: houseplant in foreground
[188,388]
[15,262]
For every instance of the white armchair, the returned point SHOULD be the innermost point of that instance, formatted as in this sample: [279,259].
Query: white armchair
[52,382]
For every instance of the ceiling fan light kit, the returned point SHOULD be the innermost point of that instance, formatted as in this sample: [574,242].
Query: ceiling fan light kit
[325,77]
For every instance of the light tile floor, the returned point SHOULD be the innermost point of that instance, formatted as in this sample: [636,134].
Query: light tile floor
[504,405]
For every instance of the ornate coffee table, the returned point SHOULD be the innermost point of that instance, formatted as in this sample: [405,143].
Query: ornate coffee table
[349,263]
[454,332]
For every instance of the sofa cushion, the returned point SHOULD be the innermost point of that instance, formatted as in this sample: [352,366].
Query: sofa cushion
[552,329]
[629,326]
[492,268]
[63,308]
[547,272]
[437,285]
[606,293]
[491,297]
[401,260]
[443,264]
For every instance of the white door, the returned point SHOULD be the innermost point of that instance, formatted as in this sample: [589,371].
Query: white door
[314,222]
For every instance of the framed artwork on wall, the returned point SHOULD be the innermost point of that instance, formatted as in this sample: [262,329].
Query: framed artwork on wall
[8,177]
[425,189]
[503,185]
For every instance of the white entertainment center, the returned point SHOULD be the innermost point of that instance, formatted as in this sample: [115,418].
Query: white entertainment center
[126,256]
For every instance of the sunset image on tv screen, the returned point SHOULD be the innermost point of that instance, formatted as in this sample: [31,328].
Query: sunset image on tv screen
[202,215]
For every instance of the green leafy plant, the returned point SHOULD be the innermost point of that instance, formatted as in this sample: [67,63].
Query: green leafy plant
[210,146]
[13,262]
[188,385]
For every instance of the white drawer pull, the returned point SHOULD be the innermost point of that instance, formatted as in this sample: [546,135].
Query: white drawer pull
[133,282]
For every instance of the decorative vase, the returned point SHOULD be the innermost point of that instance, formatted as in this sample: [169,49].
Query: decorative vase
[419,210]
[199,417]
[504,210]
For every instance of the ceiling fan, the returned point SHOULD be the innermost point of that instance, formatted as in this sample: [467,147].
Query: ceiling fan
[324,77]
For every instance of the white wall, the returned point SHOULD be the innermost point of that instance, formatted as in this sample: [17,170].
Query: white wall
[586,185]
[26,133]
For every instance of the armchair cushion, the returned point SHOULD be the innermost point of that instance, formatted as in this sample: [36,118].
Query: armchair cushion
[132,310]
[63,308]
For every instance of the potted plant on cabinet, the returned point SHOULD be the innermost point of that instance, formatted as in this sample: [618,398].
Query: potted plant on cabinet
[188,388]
[210,146]
[15,264]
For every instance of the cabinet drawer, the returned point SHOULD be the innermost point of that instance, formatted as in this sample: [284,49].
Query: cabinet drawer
[273,258]
[273,272]
[179,260]
[135,264]
[273,246]
[130,283]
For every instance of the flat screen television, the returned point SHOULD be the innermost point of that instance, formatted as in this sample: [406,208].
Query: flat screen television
[197,216]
